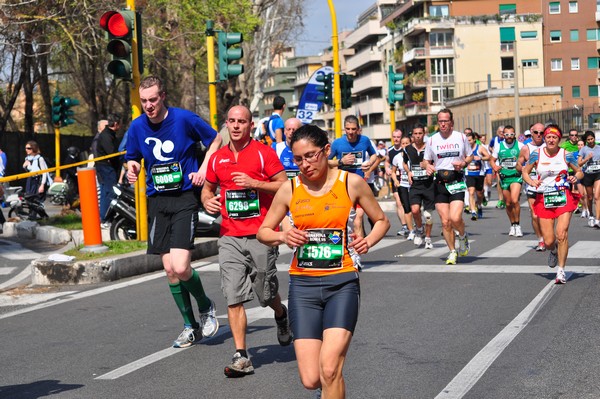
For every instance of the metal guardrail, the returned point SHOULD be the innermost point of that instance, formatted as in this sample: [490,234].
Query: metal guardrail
[20,176]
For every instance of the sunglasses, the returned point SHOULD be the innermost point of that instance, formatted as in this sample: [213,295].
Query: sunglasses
[537,131]
[28,148]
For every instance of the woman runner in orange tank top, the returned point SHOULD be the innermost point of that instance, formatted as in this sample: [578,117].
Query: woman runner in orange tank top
[324,291]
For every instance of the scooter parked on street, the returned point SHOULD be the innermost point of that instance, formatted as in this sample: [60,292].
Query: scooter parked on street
[25,207]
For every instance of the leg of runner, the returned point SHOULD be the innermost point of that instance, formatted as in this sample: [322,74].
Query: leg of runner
[513,208]
[443,210]
[596,201]
[535,224]
[472,203]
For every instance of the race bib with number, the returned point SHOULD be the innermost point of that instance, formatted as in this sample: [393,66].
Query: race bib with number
[292,173]
[419,173]
[242,204]
[324,250]
[509,163]
[474,166]
[456,187]
[555,198]
[358,157]
[593,167]
[167,176]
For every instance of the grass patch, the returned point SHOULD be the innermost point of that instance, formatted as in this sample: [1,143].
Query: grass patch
[70,221]
[114,248]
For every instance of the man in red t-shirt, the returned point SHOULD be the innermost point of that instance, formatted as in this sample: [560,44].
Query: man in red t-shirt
[249,174]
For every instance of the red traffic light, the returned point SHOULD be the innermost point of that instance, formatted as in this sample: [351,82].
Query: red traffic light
[117,23]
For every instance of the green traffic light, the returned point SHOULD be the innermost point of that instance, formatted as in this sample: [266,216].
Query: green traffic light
[395,86]
[227,55]
[326,89]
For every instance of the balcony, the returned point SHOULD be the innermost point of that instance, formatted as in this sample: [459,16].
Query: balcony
[597,16]
[371,28]
[367,56]
[377,132]
[508,75]
[412,109]
[367,82]
[420,52]
[418,25]
[370,106]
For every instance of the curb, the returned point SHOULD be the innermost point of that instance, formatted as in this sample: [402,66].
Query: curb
[47,272]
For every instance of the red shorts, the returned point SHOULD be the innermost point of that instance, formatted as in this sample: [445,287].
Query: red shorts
[552,213]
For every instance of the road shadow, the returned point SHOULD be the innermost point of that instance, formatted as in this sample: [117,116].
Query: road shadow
[270,354]
[37,389]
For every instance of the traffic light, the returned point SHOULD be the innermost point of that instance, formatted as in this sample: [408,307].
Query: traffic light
[56,108]
[346,83]
[119,26]
[326,88]
[227,55]
[61,110]
[395,86]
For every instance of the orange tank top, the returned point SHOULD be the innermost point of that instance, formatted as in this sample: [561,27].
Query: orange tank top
[329,219]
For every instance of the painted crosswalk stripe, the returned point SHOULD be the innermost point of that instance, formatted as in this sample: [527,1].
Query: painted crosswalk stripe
[385,267]
[4,271]
[585,249]
[510,249]
[440,249]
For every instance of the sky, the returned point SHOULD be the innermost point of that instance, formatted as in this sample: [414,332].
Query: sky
[317,30]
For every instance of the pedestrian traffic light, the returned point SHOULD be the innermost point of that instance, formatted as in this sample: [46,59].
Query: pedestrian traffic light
[56,109]
[326,89]
[119,26]
[395,86]
[346,83]
[228,70]
[66,111]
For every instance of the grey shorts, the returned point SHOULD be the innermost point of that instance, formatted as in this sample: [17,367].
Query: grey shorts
[247,268]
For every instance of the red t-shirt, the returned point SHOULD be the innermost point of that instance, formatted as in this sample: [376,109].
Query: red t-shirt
[243,210]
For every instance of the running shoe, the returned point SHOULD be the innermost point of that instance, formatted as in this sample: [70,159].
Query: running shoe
[541,247]
[591,221]
[467,210]
[485,201]
[403,232]
[428,243]
[561,278]
[473,216]
[597,224]
[451,259]
[209,321]
[518,231]
[411,235]
[512,230]
[500,204]
[284,334]
[418,240]
[463,245]
[585,214]
[188,337]
[239,367]
[480,212]
[552,258]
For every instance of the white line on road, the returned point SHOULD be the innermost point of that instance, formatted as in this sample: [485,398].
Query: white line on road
[25,273]
[380,267]
[474,370]
[510,249]
[440,249]
[253,314]
[585,249]
[4,271]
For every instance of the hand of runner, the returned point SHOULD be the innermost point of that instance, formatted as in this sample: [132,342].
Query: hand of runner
[198,177]
[243,180]
[213,205]
[360,244]
[295,238]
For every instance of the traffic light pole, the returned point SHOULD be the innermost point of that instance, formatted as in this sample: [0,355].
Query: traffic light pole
[212,84]
[392,118]
[57,177]
[141,208]
[337,96]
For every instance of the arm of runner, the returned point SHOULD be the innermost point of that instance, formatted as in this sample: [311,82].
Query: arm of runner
[210,201]
[243,180]
[373,164]
[133,170]
[394,178]
[361,194]
[528,168]
[484,153]
[267,233]
[278,135]
[523,155]
[198,178]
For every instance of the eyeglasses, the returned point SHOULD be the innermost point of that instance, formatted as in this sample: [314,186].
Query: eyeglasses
[537,131]
[311,158]
[573,135]
[28,148]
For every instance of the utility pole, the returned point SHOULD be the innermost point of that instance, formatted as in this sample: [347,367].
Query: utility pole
[337,98]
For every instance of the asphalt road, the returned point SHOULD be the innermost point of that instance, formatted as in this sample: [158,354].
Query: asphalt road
[493,326]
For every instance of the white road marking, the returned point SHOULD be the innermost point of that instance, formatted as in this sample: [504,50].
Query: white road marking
[18,300]
[585,249]
[4,271]
[253,314]
[510,249]
[474,370]
[440,250]
[12,250]
[379,267]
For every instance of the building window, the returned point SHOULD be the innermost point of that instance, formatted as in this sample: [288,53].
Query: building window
[575,64]
[556,64]
[576,92]
[442,70]
[555,36]
[593,91]
[507,34]
[592,35]
[554,7]
[573,8]
[438,11]
[436,93]
[574,34]
[529,34]
[529,63]
[593,62]
[508,9]
[441,39]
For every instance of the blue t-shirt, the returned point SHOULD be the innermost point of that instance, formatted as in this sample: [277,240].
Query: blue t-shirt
[171,142]
[275,122]
[285,155]
[362,150]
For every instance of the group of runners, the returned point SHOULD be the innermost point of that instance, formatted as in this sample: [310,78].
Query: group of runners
[312,195]
[456,168]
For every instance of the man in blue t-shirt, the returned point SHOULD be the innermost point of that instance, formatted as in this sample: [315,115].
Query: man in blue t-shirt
[354,153]
[165,138]
[275,124]
[283,150]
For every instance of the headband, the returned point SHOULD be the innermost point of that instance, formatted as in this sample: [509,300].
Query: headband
[552,130]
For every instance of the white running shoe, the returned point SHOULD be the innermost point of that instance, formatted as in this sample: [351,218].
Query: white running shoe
[591,221]
[512,230]
[464,247]
[518,231]
[585,214]
[418,240]
[428,243]
[411,235]
[561,278]
[208,321]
